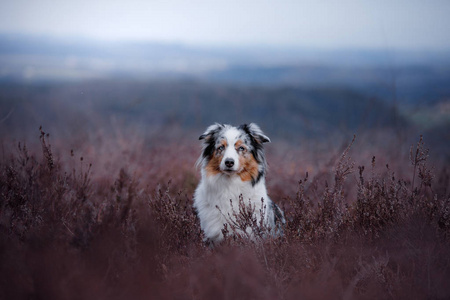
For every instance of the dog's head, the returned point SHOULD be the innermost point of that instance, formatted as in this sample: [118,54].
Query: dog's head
[233,150]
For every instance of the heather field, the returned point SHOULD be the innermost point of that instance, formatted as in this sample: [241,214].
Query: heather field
[97,203]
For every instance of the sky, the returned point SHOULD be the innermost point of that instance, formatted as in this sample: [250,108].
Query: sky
[411,24]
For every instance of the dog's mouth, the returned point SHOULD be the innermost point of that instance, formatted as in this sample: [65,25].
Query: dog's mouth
[228,171]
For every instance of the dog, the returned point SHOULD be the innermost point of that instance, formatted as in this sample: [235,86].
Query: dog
[233,168]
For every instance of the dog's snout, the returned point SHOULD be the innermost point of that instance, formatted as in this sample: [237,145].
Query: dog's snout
[229,162]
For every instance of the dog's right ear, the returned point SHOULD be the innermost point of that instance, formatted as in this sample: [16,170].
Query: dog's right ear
[210,131]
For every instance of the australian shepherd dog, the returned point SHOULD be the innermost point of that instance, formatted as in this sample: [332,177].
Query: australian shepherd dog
[233,168]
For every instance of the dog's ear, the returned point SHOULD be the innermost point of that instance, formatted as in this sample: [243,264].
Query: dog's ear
[211,131]
[256,132]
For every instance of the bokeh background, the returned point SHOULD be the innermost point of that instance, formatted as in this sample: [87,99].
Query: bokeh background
[311,74]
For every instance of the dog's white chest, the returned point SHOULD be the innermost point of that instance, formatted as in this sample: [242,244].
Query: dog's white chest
[217,202]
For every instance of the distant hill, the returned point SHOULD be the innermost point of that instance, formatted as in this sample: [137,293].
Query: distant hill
[293,92]
[414,85]
[405,77]
[288,112]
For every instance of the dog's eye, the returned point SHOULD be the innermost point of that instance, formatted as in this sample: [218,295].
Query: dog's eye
[241,148]
[221,148]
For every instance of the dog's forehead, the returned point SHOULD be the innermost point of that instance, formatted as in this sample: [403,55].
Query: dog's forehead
[232,135]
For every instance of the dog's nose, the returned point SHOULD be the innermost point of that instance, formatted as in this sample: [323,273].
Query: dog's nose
[229,162]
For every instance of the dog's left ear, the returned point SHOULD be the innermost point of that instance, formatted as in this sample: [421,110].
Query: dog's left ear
[256,132]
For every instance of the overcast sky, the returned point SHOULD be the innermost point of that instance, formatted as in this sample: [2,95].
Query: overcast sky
[411,24]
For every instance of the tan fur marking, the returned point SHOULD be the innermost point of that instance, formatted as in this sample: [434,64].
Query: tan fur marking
[249,167]
[213,166]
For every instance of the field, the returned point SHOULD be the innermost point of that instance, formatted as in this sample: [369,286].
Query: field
[97,203]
